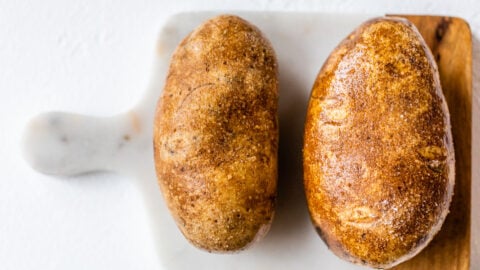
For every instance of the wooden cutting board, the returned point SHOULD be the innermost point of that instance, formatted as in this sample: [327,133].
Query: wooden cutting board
[450,40]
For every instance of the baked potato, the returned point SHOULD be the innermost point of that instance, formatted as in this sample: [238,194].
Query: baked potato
[378,149]
[216,135]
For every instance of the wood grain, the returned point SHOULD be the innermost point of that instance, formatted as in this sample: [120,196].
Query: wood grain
[450,40]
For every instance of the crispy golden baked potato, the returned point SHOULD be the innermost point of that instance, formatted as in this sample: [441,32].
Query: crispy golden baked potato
[216,135]
[378,150]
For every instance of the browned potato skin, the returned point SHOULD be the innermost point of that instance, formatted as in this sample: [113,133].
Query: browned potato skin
[216,135]
[378,153]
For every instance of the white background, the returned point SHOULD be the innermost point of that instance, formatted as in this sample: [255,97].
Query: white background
[95,57]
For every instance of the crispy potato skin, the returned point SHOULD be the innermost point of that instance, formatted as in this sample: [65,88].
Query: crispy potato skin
[378,150]
[216,135]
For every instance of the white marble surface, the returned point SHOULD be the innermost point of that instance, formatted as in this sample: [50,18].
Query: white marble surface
[95,58]
[67,144]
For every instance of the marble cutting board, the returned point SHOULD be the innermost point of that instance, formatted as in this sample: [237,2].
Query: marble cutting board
[69,144]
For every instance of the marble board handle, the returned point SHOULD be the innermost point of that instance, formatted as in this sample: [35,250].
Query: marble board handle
[60,143]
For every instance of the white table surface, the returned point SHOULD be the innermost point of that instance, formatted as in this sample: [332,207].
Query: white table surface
[95,58]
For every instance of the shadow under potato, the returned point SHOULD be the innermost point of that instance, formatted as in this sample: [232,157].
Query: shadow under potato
[291,215]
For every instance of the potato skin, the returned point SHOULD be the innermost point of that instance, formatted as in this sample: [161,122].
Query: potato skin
[216,135]
[378,151]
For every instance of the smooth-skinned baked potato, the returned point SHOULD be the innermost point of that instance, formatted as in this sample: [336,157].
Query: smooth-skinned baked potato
[378,149]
